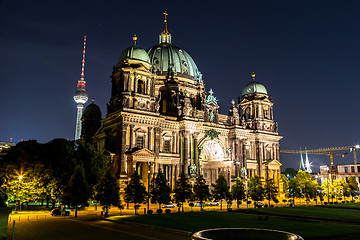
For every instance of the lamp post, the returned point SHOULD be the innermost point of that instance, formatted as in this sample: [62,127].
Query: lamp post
[17,193]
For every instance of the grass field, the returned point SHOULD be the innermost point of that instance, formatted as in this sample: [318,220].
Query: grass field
[195,221]
[340,214]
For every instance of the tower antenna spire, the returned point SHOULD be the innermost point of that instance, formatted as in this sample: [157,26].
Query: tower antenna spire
[83,61]
[80,96]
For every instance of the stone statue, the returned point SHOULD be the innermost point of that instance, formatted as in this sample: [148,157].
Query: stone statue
[211,116]
[157,105]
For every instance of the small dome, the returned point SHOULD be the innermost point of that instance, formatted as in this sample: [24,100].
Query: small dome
[92,112]
[254,87]
[136,53]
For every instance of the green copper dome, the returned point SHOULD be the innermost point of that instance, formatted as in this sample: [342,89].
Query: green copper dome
[254,87]
[166,57]
[136,53]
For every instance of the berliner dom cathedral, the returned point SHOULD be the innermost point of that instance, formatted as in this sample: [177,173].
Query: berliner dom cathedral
[161,117]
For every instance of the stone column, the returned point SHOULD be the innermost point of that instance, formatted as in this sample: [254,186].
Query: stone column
[122,160]
[150,136]
[186,153]
[132,137]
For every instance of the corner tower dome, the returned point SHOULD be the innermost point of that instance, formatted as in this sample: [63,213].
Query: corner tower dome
[134,52]
[166,57]
[254,87]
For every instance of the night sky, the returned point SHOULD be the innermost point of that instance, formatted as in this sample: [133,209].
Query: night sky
[306,53]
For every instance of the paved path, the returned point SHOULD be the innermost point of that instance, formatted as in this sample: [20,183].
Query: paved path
[88,228]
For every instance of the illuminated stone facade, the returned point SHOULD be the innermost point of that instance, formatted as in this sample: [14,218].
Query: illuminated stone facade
[160,117]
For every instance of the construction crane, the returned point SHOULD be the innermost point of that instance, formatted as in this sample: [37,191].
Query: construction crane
[327,151]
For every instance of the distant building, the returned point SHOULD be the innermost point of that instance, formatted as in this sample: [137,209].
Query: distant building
[4,148]
[341,171]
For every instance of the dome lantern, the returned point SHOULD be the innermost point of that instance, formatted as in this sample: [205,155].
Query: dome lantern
[165,36]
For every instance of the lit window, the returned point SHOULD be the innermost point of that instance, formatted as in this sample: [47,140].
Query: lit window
[166,145]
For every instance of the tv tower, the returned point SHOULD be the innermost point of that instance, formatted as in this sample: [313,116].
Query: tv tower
[80,96]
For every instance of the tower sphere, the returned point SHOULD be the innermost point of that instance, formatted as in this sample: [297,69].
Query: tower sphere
[80,97]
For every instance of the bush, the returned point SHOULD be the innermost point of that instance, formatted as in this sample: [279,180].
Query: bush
[191,204]
[248,202]
[342,201]
[159,211]
[325,203]
[167,210]
[150,211]
[272,206]
[266,206]
[229,209]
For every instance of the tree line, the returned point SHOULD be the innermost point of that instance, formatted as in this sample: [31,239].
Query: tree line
[71,174]
[57,171]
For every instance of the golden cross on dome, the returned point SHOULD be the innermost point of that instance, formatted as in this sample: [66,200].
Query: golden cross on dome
[165,14]
[253,76]
[134,38]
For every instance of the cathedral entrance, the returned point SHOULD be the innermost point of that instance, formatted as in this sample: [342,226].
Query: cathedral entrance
[214,160]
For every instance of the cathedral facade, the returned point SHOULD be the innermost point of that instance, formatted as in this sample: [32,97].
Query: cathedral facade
[160,117]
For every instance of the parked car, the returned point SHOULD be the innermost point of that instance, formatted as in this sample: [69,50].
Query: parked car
[214,204]
[260,204]
[60,212]
[199,204]
[169,205]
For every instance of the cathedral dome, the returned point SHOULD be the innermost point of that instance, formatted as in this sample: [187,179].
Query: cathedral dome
[92,112]
[166,57]
[254,87]
[136,53]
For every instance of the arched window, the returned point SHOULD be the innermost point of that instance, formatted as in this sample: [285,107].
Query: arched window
[141,87]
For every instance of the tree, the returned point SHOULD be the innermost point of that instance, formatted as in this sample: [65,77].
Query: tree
[270,190]
[238,191]
[182,190]
[306,184]
[328,188]
[94,162]
[256,190]
[354,187]
[338,188]
[220,190]
[285,182]
[135,191]
[107,192]
[290,173]
[294,190]
[201,190]
[160,190]
[76,192]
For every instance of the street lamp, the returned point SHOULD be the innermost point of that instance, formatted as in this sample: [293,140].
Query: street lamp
[17,193]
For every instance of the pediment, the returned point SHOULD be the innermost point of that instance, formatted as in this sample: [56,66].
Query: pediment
[143,152]
[274,163]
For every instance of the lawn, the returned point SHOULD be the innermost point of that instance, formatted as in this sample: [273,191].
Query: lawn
[340,214]
[195,221]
